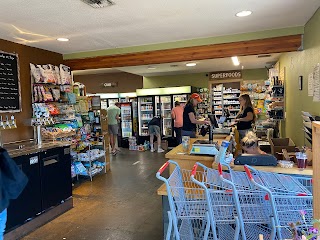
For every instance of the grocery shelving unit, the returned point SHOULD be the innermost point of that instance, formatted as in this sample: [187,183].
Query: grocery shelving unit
[223,98]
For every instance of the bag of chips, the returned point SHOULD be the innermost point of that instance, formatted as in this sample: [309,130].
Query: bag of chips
[35,73]
[65,75]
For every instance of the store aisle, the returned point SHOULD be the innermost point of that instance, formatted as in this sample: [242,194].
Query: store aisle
[121,205]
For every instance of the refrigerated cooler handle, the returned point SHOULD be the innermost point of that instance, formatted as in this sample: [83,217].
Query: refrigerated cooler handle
[50,160]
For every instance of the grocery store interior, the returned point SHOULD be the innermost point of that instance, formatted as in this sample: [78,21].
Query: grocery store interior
[64,68]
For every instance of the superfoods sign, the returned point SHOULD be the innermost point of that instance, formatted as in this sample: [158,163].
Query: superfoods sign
[226,75]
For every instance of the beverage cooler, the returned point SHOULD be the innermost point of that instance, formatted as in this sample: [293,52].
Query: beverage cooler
[126,120]
[145,114]
[164,107]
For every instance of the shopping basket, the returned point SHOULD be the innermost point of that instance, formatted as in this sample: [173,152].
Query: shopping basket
[220,197]
[188,213]
[247,206]
[286,208]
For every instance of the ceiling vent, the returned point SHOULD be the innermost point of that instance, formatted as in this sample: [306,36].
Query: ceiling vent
[264,56]
[99,3]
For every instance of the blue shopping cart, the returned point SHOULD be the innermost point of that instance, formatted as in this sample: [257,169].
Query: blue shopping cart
[246,207]
[286,206]
[188,215]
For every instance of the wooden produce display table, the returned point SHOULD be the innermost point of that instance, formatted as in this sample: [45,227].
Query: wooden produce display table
[186,160]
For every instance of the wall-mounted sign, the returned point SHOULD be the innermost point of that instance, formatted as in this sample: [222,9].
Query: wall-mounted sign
[10,97]
[111,84]
[96,102]
[236,74]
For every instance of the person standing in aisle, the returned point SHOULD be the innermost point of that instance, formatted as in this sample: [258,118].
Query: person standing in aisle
[177,116]
[113,113]
[189,116]
[154,130]
[246,117]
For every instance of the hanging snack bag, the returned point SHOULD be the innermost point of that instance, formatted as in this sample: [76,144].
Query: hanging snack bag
[47,96]
[35,72]
[65,88]
[57,74]
[40,94]
[55,94]
[65,74]
[35,94]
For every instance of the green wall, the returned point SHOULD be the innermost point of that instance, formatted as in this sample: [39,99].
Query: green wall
[301,64]
[197,79]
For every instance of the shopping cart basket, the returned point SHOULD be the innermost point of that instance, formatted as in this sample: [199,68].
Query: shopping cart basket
[286,208]
[220,203]
[188,213]
[247,207]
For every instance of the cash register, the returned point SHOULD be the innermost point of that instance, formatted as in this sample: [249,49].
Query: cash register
[207,147]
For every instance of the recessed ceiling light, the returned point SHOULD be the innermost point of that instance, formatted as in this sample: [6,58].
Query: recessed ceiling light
[151,68]
[63,39]
[191,64]
[235,61]
[244,13]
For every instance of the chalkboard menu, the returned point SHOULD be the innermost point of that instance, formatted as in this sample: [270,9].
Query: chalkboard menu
[10,98]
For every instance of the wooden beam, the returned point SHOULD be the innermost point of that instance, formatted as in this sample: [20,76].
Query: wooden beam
[244,48]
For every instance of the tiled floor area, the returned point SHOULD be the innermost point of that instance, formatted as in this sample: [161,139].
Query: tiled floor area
[121,205]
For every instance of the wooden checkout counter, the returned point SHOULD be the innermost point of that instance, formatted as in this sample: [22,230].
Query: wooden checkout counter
[187,161]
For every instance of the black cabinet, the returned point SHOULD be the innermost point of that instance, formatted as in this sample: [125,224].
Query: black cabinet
[50,183]
[28,204]
[56,182]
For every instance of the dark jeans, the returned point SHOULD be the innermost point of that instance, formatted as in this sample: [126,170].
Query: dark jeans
[191,134]
[178,130]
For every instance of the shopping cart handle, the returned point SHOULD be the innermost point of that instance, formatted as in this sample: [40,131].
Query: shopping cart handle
[248,172]
[164,166]
[220,169]
[194,169]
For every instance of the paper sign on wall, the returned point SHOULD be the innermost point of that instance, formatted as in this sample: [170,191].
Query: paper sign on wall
[316,83]
[310,85]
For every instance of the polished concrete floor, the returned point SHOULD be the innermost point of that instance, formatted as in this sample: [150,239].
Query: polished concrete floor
[120,205]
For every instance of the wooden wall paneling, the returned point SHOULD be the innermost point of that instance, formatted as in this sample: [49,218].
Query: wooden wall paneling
[252,47]
[26,55]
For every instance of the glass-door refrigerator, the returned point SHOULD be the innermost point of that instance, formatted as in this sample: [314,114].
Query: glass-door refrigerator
[145,114]
[165,111]
[126,120]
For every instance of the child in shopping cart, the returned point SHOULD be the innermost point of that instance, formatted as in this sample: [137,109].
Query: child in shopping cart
[250,144]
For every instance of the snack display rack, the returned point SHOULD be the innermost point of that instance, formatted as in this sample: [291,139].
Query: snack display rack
[61,112]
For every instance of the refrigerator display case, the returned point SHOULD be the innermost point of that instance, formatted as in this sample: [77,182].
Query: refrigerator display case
[145,113]
[165,111]
[126,120]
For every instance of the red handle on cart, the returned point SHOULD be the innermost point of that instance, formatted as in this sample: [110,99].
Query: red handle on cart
[220,169]
[248,172]
[164,166]
[194,169]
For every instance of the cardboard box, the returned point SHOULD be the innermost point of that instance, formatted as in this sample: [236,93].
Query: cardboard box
[164,145]
[277,144]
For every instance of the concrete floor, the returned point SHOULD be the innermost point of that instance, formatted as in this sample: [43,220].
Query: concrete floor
[120,205]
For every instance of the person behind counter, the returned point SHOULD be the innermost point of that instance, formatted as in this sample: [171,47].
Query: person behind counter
[189,116]
[250,144]
[246,117]
[177,116]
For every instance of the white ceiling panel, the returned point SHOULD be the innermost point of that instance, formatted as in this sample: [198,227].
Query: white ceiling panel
[130,23]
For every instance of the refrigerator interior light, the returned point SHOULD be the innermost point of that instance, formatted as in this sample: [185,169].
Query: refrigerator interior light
[129,94]
[107,95]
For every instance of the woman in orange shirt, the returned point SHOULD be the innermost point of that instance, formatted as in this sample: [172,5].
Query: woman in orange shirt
[177,116]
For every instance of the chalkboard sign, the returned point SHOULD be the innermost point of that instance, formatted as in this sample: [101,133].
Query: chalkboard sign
[10,97]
